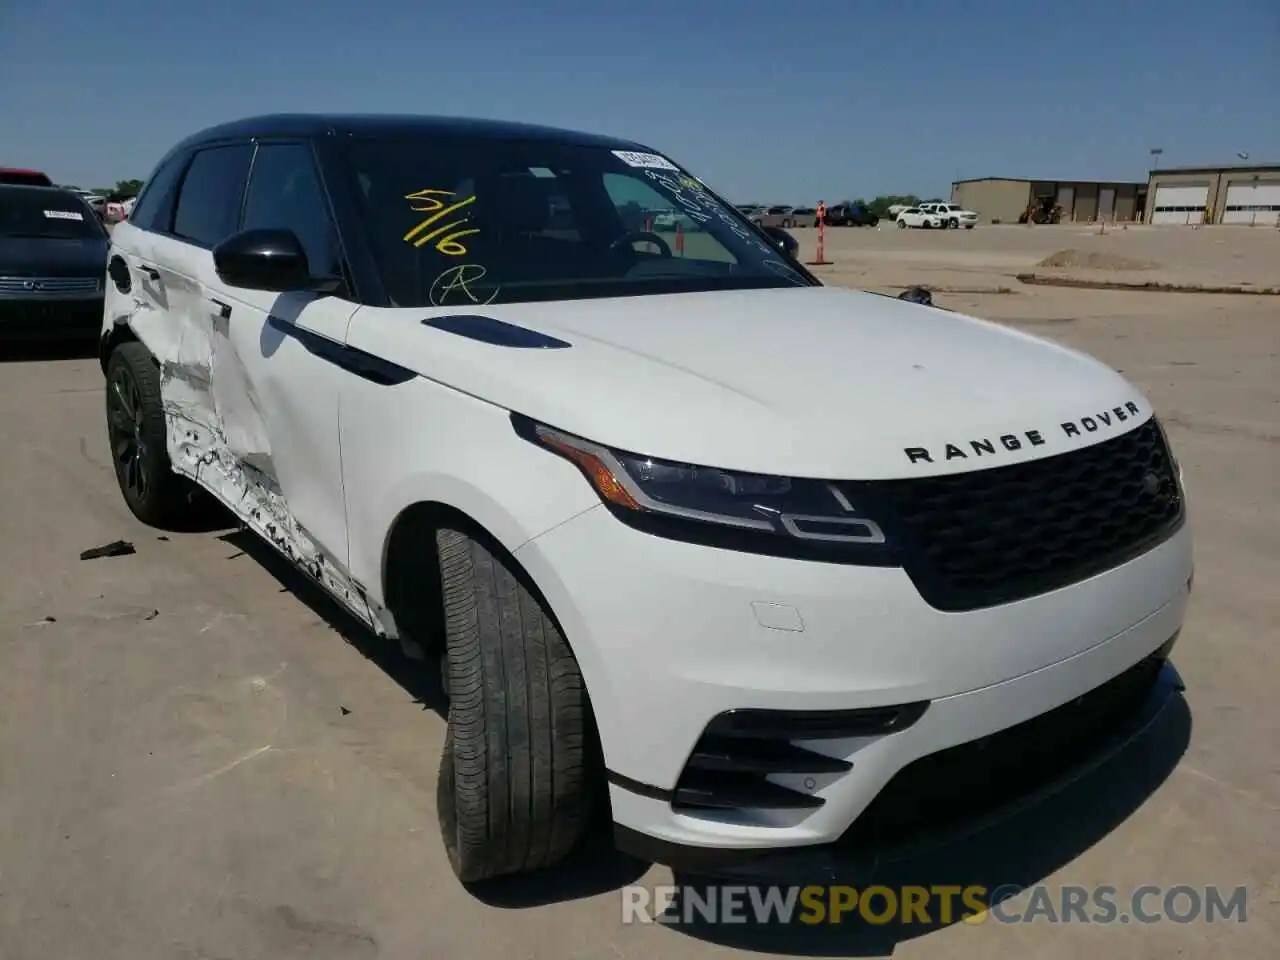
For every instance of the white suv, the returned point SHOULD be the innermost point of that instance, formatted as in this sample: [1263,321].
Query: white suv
[745,557]
[951,215]
[919,217]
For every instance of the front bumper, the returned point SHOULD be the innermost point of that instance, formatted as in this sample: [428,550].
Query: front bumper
[670,635]
[1131,704]
[50,317]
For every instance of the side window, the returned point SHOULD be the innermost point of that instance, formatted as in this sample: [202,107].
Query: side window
[285,192]
[155,202]
[209,199]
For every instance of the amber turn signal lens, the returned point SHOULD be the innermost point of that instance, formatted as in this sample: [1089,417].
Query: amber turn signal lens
[601,476]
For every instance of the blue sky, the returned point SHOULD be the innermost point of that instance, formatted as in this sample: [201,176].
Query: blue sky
[766,101]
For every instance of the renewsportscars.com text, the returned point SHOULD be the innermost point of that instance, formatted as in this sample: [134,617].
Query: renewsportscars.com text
[932,905]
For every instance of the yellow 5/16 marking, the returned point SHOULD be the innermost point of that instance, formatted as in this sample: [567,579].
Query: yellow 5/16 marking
[448,245]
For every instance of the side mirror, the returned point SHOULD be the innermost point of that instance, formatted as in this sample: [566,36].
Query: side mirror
[783,241]
[263,260]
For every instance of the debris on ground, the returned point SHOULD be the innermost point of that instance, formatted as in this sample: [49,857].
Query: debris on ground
[1151,286]
[917,294]
[152,615]
[1094,260]
[117,548]
[344,710]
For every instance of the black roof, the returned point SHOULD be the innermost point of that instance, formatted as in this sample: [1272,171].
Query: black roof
[37,188]
[396,125]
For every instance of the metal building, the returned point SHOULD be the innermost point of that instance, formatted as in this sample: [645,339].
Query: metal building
[1082,201]
[1246,194]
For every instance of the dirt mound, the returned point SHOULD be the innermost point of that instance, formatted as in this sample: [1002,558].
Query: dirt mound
[1094,260]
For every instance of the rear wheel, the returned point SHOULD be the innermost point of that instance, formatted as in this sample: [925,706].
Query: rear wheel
[518,776]
[139,440]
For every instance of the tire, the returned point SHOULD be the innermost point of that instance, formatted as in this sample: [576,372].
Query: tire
[138,437]
[902,224]
[968,226]
[954,224]
[518,779]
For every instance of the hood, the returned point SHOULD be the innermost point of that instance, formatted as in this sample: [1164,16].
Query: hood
[53,257]
[808,382]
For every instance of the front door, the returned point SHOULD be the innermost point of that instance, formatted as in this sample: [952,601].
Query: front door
[276,382]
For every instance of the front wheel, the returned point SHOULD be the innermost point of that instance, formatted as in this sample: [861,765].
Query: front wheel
[968,226]
[954,224]
[902,224]
[518,778]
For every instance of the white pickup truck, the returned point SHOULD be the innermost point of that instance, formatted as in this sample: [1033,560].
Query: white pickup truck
[952,215]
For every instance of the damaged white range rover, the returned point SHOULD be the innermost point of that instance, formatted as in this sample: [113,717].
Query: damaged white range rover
[763,565]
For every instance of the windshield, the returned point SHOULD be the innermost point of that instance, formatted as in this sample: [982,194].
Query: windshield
[461,221]
[46,213]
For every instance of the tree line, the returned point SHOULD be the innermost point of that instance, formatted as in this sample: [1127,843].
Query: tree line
[123,190]
[880,205]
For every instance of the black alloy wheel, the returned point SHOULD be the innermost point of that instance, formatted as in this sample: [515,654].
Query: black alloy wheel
[125,431]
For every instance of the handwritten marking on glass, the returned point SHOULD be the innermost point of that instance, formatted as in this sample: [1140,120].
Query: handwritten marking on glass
[700,206]
[459,279]
[431,203]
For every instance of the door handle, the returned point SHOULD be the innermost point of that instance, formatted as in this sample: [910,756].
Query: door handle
[224,309]
[151,272]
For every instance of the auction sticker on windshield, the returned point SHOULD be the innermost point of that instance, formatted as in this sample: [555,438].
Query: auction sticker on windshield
[63,215]
[645,161]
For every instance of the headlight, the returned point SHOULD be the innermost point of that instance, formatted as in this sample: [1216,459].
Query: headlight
[744,511]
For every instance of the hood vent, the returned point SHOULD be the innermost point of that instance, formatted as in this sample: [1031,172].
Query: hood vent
[499,333]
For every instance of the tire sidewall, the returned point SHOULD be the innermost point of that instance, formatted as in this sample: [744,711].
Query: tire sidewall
[155,461]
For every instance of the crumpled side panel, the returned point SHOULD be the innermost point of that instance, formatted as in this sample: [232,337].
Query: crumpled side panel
[235,402]
[217,437]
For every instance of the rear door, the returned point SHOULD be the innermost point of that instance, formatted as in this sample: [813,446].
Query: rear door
[204,211]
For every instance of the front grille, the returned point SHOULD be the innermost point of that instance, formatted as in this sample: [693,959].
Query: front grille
[36,286]
[973,540]
[954,786]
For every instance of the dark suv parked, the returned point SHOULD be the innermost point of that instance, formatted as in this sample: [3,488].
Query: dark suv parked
[53,259]
[850,215]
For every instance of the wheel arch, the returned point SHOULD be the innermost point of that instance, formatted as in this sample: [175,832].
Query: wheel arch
[110,339]
[411,538]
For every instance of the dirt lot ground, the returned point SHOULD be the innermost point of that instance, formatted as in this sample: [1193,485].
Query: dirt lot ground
[199,758]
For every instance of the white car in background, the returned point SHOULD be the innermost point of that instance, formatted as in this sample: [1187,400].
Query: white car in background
[95,202]
[919,217]
[952,215]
